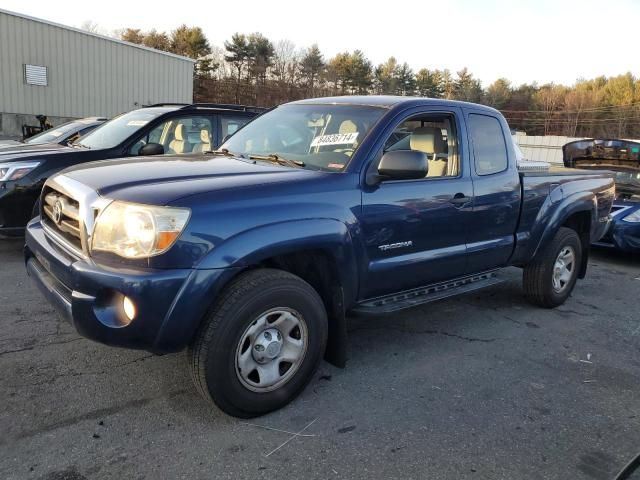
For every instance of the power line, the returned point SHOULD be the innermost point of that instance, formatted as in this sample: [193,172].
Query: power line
[585,110]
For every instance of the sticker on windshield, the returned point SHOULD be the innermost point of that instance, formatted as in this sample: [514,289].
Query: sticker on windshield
[55,133]
[335,139]
[137,123]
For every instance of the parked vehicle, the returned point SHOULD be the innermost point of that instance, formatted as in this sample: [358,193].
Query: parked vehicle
[155,130]
[64,134]
[252,256]
[623,158]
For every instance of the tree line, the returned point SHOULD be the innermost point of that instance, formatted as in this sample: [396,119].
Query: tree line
[251,69]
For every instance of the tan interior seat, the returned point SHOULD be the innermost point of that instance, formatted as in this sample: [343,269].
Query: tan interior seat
[348,127]
[429,140]
[180,143]
[205,142]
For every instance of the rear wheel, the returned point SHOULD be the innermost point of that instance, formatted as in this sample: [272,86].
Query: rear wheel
[549,279]
[261,343]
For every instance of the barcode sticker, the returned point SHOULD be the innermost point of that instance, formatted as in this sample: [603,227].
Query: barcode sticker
[335,139]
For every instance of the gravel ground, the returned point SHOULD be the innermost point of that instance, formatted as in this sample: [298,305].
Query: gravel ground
[479,387]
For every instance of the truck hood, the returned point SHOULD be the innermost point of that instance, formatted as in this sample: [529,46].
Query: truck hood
[21,151]
[616,155]
[162,180]
[609,154]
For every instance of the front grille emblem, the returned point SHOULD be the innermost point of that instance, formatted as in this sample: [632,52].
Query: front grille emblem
[57,212]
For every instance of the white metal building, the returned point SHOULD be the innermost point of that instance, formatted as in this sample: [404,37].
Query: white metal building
[63,73]
[545,148]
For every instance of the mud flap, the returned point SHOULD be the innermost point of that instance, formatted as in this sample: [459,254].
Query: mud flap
[336,351]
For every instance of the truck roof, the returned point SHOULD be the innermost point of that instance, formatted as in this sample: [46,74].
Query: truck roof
[388,101]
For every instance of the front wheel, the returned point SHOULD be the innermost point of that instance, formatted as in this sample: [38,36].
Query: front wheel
[549,279]
[260,344]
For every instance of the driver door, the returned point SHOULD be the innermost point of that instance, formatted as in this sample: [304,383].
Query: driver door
[415,230]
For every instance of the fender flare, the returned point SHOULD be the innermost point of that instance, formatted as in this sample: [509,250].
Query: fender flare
[570,205]
[333,236]
[288,237]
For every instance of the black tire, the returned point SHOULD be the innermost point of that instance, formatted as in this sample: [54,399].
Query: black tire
[212,355]
[538,276]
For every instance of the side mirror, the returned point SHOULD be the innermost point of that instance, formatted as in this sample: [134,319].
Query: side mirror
[151,149]
[403,165]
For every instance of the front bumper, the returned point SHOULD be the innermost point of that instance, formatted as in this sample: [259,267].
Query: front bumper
[170,303]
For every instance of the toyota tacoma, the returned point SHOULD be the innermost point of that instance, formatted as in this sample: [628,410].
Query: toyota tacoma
[251,257]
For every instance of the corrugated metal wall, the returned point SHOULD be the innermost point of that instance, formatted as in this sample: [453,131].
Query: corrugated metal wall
[87,74]
[543,148]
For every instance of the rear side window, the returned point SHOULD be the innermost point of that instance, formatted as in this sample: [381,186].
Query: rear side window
[231,125]
[489,148]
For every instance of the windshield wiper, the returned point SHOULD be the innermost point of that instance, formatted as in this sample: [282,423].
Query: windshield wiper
[225,152]
[77,144]
[272,157]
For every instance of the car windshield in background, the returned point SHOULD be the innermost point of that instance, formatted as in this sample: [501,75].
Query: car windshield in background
[54,135]
[321,137]
[628,181]
[116,131]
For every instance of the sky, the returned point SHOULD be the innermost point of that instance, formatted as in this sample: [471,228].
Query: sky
[525,41]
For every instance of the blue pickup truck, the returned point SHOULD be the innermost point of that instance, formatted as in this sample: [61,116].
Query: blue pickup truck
[252,257]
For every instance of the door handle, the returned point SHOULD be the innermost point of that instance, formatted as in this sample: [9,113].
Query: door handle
[460,199]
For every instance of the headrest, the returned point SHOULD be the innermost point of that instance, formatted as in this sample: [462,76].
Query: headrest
[427,140]
[348,127]
[204,136]
[180,133]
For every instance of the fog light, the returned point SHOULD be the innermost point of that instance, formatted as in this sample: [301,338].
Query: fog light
[129,308]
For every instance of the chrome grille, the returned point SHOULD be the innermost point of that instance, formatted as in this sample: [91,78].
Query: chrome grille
[63,214]
[68,212]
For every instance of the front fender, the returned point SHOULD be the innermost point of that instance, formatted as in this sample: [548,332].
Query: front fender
[258,244]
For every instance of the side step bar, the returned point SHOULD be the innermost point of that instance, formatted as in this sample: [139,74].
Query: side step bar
[431,293]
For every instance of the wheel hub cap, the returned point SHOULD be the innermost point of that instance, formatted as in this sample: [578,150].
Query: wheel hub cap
[563,269]
[271,349]
[267,346]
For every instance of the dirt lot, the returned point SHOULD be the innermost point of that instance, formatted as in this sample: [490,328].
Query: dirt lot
[483,386]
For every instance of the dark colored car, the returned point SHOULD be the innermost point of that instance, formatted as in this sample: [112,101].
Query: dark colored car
[622,157]
[251,257]
[62,134]
[154,130]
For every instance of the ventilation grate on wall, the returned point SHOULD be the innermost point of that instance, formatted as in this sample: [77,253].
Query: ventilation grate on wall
[35,75]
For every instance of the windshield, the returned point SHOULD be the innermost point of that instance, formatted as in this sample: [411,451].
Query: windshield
[116,131]
[320,137]
[54,135]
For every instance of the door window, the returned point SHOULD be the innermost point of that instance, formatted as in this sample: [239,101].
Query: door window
[231,125]
[432,134]
[179,136]
[489,148]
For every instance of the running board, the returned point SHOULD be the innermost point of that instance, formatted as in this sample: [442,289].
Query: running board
[422,295]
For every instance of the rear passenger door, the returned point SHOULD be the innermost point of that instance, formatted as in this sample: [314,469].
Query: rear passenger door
[496,186]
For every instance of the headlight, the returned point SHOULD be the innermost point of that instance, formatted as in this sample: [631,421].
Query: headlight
[633,217]
[15,170]
[137,231]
